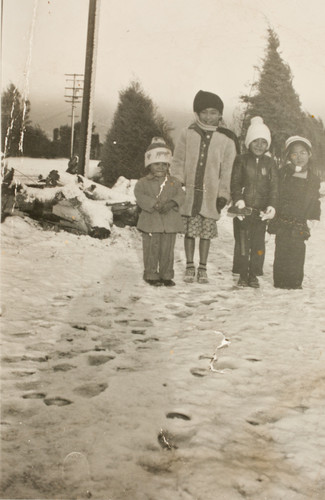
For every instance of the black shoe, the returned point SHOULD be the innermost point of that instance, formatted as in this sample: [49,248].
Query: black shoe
[153,282]
[168,282]
[242,282]
[253,282]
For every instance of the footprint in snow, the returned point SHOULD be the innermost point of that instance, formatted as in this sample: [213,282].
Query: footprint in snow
[79,327]
[57,401]
[34,395]
[63,367]
[198,372]
[96,312]
[183,314]
[96,360]
[90,390]
[23,373]
[138,331]
[175,414]
[149,339]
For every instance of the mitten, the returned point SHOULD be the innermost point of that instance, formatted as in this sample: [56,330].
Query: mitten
[221,203]
[268,214]
[240,204]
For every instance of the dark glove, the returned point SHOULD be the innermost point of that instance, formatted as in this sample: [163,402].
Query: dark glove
[221,203]
[168,205]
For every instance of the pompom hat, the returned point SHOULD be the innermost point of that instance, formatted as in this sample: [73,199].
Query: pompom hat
[204,100]
[157,152]
[257,130]
[297,138]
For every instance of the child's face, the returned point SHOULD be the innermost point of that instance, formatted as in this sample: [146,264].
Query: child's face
[210,116]
[299,155]
[258,147]
[159,169]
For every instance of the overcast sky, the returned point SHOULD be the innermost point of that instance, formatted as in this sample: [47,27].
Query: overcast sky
[173,47]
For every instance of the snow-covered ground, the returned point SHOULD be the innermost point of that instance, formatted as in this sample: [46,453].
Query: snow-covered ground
[97,365]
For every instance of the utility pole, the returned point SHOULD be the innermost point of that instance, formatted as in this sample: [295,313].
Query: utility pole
[89,86]
[74,98]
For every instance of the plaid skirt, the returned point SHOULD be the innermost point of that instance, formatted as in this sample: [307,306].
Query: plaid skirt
[200,227]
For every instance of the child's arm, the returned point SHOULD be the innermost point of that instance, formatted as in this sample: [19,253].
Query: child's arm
[226,168]
[179,194]
[315,210]
[177,168]
[145,201]
[236,184]
[176,199]
[274,186]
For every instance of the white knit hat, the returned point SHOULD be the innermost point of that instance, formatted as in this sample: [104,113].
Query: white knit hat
[157,152]
[297,138]
[257,130]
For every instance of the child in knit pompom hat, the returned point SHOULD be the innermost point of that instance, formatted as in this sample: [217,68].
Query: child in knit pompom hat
[203,160]
[254,184]
[159,196]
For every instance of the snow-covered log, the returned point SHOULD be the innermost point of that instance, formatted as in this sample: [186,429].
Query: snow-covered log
[77,204]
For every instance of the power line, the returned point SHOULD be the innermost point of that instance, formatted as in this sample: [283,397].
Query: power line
[73,98]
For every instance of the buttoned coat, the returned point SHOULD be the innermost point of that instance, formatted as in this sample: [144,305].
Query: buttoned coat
[255,180]
[214,157]
[146,192]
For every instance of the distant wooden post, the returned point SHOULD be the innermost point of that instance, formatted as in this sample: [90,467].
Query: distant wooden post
[89,87]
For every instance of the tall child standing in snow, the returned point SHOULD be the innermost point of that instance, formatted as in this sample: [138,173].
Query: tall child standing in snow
[203,161]
[254,184]
[159,196]
[298,202]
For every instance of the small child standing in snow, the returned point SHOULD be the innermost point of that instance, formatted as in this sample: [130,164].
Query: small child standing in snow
[159,196]
[203,160]
[254,184]
[298,203]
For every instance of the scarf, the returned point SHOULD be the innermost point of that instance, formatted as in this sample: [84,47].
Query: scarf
[203,126]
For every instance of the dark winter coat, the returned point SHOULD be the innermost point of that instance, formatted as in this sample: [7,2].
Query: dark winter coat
[309,207]
[255,180]
[146,192]
[298,202]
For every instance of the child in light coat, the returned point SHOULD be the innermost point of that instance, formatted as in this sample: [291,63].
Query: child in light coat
[203,160]
[159,197]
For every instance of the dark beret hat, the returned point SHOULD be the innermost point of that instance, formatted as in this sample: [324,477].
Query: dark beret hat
[204,100]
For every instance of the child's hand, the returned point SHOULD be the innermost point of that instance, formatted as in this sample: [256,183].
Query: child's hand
[240,204]
[158,206]
[167,206]
[221,203]
[268,214]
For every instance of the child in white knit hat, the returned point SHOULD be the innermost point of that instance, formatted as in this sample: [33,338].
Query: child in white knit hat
[298,203]
[159,196]
[254,184]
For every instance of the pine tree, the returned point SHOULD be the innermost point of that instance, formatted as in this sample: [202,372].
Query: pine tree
[135,122]
[315,132]
[275,99]
[36,143]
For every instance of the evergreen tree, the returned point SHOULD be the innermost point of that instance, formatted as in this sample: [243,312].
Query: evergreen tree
[135,123]
[13,121]
[36,143]
[315,132]
[275,99]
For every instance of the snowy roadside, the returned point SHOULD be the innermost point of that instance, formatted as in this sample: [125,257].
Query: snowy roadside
[96,366]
